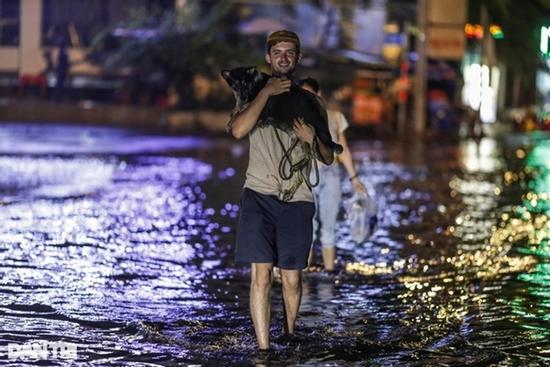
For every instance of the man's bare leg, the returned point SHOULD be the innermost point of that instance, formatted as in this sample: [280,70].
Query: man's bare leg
[329,257]
[260,303]
[310,258]
[292,296]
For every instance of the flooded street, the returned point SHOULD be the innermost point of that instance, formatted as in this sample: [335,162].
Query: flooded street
[122,243]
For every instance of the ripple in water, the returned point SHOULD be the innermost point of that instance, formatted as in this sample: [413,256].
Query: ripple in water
[128,254]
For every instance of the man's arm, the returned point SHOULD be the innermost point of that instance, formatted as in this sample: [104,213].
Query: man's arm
[305,133]
[245,121]
[326,153]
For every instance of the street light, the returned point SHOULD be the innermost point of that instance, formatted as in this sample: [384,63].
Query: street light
[544,39]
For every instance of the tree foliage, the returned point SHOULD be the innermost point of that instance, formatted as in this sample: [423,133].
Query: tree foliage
[160,49]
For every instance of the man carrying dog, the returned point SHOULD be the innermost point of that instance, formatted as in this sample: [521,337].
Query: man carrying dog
[275,224]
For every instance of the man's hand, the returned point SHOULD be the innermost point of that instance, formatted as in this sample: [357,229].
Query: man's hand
[303,131]
[276,86]
[245,121]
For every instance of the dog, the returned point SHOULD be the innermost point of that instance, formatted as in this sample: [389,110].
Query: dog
[281,110]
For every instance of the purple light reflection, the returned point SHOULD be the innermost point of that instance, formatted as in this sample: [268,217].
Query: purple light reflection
[66,139]
[102,239]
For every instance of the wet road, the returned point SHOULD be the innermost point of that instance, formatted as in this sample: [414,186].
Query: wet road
[121,243]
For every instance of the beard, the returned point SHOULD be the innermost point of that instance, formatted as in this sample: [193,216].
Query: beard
[283,71]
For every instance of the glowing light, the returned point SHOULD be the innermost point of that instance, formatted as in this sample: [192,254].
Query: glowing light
[476,31]
[538,163]
[489,89]
[544,39]
[480,90]
[471,93]
[480,157]
[540,155]
[469,30]
[496,31]
[473,31]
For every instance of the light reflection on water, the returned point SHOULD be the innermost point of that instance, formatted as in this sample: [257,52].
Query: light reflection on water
[122,243]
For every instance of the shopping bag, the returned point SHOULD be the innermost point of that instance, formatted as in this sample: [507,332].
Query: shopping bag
[362,216]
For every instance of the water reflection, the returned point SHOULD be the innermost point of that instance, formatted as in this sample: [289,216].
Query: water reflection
[95,247]
[532,308]
[454,274]
[122,243]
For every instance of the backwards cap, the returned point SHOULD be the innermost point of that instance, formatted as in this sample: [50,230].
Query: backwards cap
[282,36]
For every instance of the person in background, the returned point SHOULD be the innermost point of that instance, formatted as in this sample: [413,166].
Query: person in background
[48,69]
[61,70]
[328,194]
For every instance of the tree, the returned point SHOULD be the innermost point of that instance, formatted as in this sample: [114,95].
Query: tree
[158,49]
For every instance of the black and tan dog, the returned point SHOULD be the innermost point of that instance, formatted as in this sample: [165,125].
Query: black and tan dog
[281,110]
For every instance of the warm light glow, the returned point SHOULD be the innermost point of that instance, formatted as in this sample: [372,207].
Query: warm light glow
[476,31]
[469,30]
[473,31]
[391,28]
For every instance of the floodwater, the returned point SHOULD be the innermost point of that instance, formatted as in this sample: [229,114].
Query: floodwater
[121,243]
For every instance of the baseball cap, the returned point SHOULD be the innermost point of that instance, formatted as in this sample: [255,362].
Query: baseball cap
[282,36]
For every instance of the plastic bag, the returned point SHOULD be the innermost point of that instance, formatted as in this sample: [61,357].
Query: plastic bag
[362,216]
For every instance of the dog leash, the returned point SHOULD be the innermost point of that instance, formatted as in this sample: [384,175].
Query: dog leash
[306,164]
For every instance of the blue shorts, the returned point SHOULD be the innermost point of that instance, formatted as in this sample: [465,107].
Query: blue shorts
[274,231]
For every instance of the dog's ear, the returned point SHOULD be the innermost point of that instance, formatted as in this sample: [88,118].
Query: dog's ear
[226,74]
[260,77]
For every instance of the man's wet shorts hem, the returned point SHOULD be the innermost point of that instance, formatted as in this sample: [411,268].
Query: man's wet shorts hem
[274,231]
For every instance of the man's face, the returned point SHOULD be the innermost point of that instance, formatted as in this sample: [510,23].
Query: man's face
[283,58]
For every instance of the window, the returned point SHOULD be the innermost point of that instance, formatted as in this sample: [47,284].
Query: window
[75,23]
[9,22]
[71,22]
